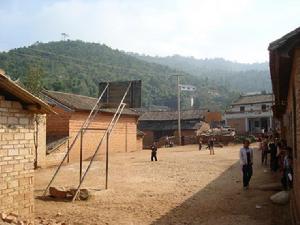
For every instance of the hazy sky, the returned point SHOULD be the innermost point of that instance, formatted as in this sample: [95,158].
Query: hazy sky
[238,30]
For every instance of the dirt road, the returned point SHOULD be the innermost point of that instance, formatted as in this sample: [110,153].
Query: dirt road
[185,186]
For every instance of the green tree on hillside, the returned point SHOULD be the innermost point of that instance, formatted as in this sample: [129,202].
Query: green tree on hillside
[33,79]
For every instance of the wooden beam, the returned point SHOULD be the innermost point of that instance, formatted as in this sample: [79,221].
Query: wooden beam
[32,107]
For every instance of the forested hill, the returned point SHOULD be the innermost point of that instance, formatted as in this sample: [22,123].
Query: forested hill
[78,67]
[236,76]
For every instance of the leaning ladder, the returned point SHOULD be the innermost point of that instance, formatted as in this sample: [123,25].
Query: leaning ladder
[83,128]
[107,132]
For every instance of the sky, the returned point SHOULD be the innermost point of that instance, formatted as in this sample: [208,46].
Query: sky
[237,30]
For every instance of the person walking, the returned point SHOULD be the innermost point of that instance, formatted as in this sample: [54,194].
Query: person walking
[200,143]
[154,151]
[211,146]
[264,152]
[273,155]
[246,161]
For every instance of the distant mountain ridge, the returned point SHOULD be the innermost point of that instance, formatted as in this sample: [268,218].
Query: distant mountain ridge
[208,63]
[78,67]
[242,77]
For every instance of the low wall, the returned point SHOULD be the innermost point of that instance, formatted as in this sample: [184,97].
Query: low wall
[56,156]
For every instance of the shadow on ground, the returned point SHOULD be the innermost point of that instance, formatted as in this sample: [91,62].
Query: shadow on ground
[224,202]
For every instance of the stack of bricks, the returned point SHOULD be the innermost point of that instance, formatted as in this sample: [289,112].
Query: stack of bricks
[16,159]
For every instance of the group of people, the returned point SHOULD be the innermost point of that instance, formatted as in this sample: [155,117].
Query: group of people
[280,159]
[168,143]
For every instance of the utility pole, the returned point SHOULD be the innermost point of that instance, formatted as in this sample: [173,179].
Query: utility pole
[178,107]
[64,36]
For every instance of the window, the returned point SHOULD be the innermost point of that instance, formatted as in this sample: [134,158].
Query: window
[263,108]
[242,108]
[256,123]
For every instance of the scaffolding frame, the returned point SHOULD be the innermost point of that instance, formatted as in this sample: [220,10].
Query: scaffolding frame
[80,133]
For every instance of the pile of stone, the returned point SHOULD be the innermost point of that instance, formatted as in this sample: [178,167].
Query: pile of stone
[41,221]
[12,219]
[68,193]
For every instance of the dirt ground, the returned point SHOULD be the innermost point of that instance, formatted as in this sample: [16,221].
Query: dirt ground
[185,186]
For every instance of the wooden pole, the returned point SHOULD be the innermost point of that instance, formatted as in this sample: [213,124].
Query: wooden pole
[109,130]
[86,124]
[68,159]
[80,165]
[126,137]
[106,166]
[178,110]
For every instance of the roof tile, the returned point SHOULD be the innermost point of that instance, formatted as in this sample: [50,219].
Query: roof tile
[81,102]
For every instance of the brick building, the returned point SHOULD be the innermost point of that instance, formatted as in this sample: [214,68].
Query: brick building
[285,74]
[159,124]
[17,152]
[72,110]
[251,114]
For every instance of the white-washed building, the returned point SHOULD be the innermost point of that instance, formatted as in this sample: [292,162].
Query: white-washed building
[251,114]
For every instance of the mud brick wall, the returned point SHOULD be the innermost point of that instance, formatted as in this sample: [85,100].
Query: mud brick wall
[238,124]
[55,157]
[16,159]
[57,125]
[293,131]
[139,143]
[123,138]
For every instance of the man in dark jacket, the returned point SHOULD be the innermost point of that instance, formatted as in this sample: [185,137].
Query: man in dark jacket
[154,151]
[246,161]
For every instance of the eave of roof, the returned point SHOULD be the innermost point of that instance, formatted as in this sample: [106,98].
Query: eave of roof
[281,61]
[172,115]
[281,42]
[34,103]
[254,99]
[76,102]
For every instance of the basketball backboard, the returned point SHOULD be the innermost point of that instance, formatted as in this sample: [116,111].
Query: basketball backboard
[116,91]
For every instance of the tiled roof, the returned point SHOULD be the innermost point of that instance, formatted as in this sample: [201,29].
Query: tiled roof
[169,125]
[7,86]
[172,115]
[253,99]
[283,40]
[81,102]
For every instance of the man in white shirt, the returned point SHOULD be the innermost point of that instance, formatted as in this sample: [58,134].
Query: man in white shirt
[246,160]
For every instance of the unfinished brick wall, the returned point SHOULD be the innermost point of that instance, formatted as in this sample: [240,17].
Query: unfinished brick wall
[211,117]
[238,124]
[139,143]
[123,138]
[16,159]
[57,125]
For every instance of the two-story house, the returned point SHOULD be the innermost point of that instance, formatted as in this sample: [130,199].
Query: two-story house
[251,114]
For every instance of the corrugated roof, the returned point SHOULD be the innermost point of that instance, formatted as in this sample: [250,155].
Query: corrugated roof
[19,93]
[81,102]
[253,99]
[172,115]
